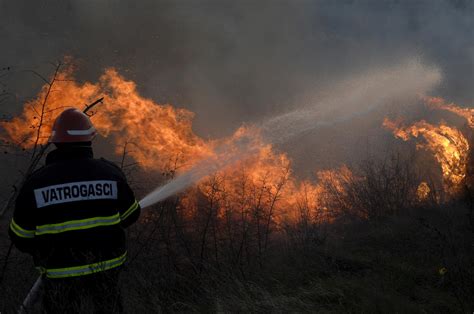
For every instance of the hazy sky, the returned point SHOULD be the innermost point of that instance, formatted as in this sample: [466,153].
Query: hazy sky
[241,60]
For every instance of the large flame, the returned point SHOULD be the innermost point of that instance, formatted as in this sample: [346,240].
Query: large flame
[160,132]
[164,140]
[448,145]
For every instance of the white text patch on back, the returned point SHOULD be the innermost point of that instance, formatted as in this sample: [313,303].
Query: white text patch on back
[75,191]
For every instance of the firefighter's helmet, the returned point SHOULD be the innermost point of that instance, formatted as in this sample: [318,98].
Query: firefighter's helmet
[72,126]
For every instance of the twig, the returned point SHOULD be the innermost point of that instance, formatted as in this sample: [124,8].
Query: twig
[43,107]
[124,154]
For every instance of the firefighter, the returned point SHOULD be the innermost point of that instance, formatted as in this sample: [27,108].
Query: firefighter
[70,215]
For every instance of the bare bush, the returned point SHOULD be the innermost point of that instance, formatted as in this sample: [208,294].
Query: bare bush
[378,189]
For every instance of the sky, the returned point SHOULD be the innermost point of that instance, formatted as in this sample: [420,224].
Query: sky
[234,62]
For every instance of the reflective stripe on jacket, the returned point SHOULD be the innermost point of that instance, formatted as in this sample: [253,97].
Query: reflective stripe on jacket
[83,269]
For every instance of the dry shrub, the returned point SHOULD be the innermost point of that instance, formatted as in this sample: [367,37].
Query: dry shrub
[378,189]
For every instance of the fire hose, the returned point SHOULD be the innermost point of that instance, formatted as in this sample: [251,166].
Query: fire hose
[32,296]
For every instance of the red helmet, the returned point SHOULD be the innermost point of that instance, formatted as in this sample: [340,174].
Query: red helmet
[71,126]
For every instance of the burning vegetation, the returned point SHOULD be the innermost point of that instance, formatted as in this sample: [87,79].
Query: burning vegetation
[448,145]
[160,138]
[248,213]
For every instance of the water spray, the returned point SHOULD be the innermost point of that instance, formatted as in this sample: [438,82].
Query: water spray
[351,98]
[224,155]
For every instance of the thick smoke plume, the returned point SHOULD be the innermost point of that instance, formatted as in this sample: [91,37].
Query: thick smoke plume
[235,61]
[232,62]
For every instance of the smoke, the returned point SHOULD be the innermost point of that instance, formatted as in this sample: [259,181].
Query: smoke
[232,62]
[236,61]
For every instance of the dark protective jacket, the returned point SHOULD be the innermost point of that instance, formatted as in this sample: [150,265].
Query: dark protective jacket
[70,215]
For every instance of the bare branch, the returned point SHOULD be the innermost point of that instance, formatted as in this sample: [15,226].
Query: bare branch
[43,108]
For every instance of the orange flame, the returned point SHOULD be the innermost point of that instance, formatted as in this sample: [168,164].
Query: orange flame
[448,145]
[161,132]
[440,103]
[423,191]
[163,135]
